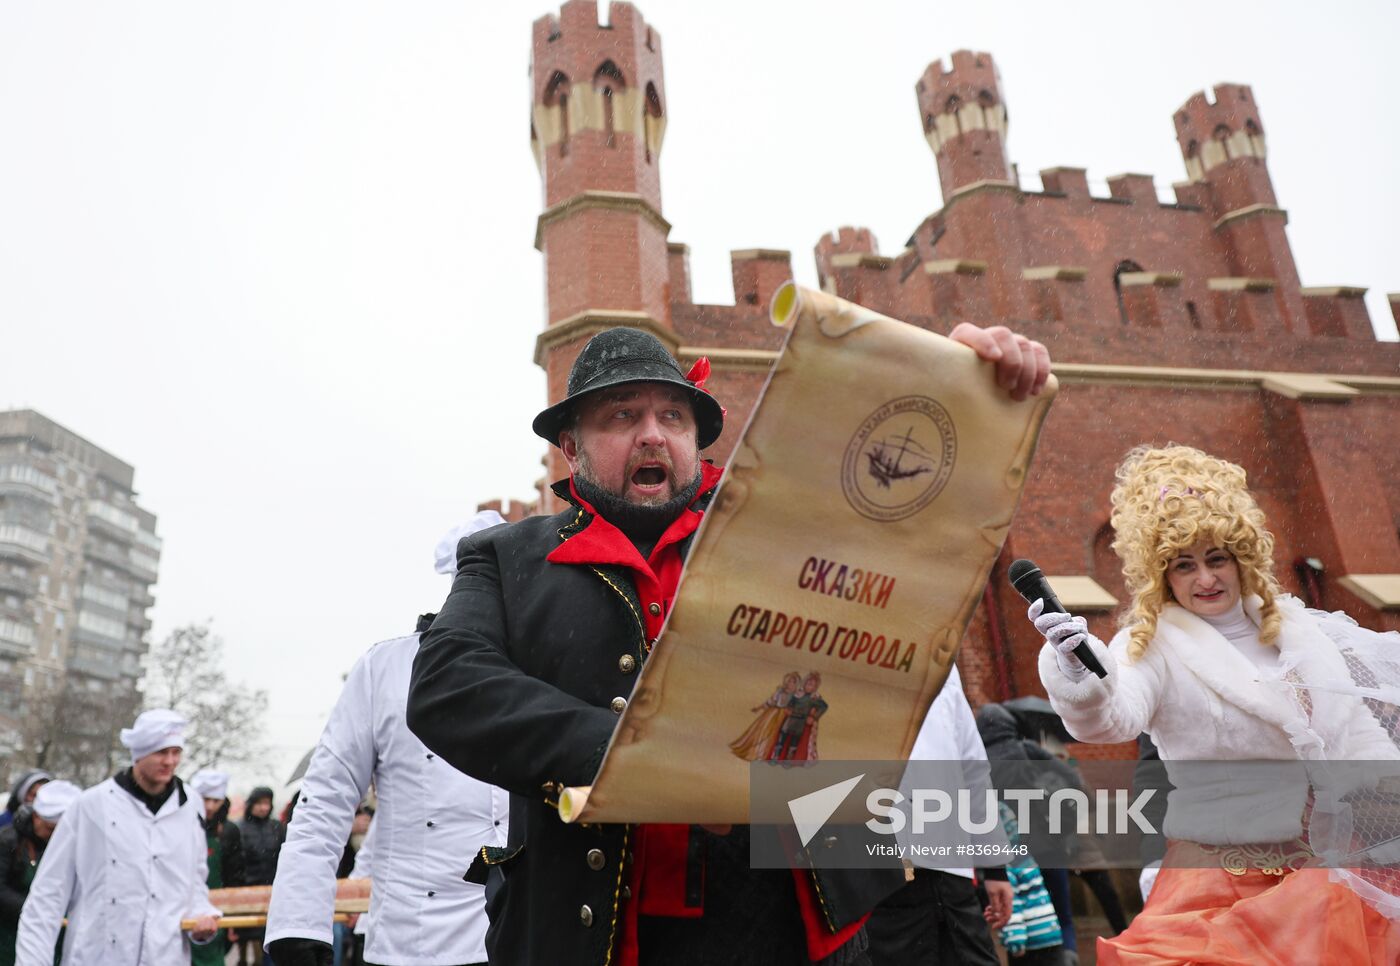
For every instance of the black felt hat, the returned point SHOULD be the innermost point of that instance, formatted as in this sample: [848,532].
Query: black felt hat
[628,355]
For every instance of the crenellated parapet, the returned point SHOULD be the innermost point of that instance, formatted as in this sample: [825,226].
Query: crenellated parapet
[1222,144]
[964,120]
[844,248]
[758,273]
[1225,127]
[598,109]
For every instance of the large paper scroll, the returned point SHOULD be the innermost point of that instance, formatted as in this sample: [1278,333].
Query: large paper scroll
[835,571]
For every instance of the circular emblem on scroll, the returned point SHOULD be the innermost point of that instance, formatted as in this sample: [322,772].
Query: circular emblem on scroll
[899,459]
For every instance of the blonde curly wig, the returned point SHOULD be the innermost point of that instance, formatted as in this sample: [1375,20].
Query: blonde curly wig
[1170,498]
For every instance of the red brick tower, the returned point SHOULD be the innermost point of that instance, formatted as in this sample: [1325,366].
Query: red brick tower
[1222,142]
[965,120]
[598,119]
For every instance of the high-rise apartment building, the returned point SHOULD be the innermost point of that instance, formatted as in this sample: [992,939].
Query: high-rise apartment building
[78,560]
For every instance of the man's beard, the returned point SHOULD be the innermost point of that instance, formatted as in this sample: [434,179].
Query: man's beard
[658,455]
[643,523]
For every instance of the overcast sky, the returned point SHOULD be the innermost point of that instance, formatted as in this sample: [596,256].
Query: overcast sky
[278,256]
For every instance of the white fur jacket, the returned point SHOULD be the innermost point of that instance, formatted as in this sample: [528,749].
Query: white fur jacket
[1201,700]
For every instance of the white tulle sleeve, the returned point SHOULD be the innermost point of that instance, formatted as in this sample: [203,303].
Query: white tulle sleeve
[1353,826]
[1372,675]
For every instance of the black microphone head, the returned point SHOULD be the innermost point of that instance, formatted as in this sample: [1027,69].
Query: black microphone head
[1021,570]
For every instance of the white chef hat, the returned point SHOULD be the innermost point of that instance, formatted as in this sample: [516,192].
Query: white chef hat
[154,731]
[445,557]
[54,798]
[210,784]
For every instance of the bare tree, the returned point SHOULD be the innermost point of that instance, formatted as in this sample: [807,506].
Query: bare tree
[71,730]
[185,672]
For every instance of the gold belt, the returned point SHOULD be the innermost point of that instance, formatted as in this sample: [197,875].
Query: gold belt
[1270,859]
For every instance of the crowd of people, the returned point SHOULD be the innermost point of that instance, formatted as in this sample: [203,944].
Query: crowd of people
[466,731]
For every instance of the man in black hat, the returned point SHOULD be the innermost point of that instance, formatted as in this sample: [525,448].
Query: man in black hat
[521,677]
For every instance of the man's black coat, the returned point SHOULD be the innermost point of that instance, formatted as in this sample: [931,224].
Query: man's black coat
[513,685]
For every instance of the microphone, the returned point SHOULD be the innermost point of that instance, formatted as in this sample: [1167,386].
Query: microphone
[1031,584]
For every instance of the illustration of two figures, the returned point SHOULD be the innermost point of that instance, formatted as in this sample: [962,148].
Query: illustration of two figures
[786,726]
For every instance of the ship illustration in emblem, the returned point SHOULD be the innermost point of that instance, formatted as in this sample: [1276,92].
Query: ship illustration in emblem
[899,458]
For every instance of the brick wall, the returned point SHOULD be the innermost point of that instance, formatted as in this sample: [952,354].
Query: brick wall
[1204,282]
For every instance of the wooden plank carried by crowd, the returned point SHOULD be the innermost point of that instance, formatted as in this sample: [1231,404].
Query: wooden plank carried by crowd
[246,907]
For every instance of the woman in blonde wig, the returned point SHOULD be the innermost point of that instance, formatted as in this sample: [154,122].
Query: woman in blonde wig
[1216,663]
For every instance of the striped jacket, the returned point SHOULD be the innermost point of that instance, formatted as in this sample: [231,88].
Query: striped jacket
[1033,923]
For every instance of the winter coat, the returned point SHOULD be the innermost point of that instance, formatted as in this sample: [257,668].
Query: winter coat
[1033,923]
[1200,699]
[262,842]
[514,684]
[231,871]
[431,819]
[19,848]
[124,877]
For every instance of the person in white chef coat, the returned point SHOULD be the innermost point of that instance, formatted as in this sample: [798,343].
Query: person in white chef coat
[126,865]
[430,823]
[937,916]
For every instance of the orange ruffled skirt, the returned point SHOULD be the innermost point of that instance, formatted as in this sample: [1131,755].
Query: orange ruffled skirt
[1258,918]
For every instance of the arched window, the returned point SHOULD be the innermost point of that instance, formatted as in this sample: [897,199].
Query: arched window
[1222,135]
[608,82]
[1119,270]
[652,120]
[985,98]
[951,107]
[556,94]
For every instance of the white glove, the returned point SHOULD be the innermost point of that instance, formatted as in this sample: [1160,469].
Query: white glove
[1065,632]
[1148,879]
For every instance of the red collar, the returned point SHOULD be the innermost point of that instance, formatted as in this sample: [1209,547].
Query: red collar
[600,542]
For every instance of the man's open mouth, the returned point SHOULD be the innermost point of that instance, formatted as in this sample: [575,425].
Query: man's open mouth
[650,475]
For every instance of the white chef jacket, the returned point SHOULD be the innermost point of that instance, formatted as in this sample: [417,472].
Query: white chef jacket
[949,733]
[124,877]
[431,822]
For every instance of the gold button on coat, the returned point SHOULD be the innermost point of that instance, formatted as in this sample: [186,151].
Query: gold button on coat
[585,916]
[596,859]
[627,664]
[654,609]
[619,705]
